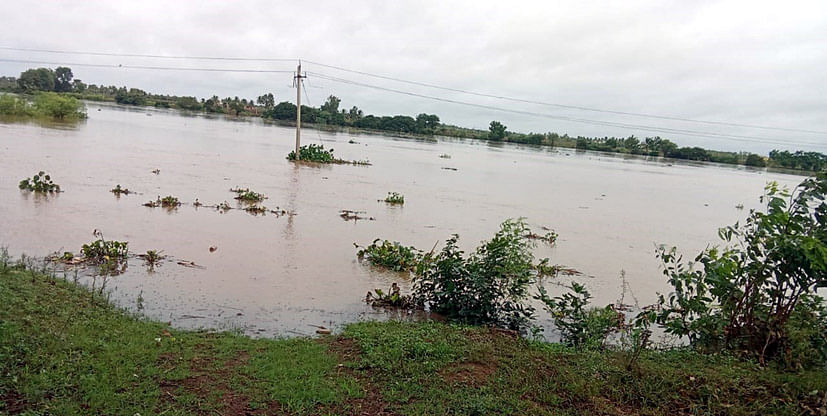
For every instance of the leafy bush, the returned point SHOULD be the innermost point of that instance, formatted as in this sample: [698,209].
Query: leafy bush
[581,326]
[489,287]
[395,198]
[14,106]
[39,183]
[392,255]
[58,106]
[755,294]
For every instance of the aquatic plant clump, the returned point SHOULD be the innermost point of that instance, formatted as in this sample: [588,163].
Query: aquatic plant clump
[100,250]
[246,195]
[41,182]
[392,255]
[395,198]
[117,190]
[393,299]
[314,153]
[168,201]
[318,154]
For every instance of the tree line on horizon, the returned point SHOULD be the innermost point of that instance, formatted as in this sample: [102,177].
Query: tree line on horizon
[61,80]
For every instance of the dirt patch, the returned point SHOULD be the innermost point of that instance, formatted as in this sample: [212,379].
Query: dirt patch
[469,373]
[210,380]
[14,402]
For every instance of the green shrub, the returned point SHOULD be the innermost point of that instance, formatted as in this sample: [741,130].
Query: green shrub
[14,106]
[58,106]
[489,287]
[580,326]
[751,296]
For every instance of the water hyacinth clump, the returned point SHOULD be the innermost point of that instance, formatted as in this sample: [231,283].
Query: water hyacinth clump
[100,250]
[117,190]
[41,182]
[314,153]
[246,195]
[168,201]
[395,198]
[392,255]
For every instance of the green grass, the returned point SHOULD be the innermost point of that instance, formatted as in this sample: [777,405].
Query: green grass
[65,351]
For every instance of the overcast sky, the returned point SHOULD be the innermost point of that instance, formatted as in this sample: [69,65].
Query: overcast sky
[744,62]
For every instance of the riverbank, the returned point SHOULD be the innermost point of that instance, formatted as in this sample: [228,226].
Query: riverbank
[66,351]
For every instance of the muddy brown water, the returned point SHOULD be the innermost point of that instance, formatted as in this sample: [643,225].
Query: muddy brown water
[279,276]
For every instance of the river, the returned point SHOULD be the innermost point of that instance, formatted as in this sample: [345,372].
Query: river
[281,275]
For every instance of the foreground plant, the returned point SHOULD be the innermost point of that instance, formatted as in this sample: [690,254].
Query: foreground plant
[101,251]
[41,183]
[488,287]
[756,296]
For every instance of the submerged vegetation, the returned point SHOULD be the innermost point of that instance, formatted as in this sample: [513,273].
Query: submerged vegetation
[395,198]
[41,182]
[391,255]
[42,105]
[168,201]
[248,196]
[318,154]
[102,251]
[118,191]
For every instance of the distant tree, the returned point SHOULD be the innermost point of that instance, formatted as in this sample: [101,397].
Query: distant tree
[133,96]
[63,79]
[268,101]
[496,131]
[426,123]
[8,83]
[355,113]
[282,111]
[188,103]
[755,160]
[78,86]
[40,79]
[331,105]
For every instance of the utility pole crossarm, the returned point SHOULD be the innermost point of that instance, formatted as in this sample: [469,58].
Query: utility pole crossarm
[298,81]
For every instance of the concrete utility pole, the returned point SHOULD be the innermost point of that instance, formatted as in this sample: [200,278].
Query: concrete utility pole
[298,81]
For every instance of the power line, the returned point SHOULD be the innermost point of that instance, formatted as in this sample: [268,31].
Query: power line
[571,107]
[573,119]
[160,68]
[423,84]
[138,55]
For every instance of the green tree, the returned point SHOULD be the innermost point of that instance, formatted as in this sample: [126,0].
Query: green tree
[40,79]
[331,106]
[268,101]
[496,131]
[63,79]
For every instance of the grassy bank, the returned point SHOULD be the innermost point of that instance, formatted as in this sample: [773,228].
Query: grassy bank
[65,351]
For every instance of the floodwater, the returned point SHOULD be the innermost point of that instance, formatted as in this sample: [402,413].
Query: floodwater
[280,275]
